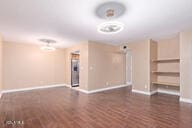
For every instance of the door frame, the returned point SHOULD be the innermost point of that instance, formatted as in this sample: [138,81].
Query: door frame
[75,52]
[129,54]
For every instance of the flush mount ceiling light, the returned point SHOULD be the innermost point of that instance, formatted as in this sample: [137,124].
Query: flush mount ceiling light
[110,11]
[48,45]
[110,27]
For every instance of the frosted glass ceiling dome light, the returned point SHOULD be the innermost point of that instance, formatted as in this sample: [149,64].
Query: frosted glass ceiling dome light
[48,45]
[110,27]
[47,48]
[110,11]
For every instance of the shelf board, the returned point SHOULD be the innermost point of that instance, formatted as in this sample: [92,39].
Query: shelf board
[166,60]
[166,83]
[159,72]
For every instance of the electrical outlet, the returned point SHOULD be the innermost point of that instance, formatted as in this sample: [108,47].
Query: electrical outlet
[145,86]
[107,83]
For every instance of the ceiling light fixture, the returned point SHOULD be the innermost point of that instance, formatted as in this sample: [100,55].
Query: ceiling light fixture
[110,27]
[48,45]
[109,11]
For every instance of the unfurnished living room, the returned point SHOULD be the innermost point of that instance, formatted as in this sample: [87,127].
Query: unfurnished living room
[95,63]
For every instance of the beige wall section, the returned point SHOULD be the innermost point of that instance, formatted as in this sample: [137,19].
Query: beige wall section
[140,65]
[186,64]
[83,48]
[128,67]
[167,49]
[1,52]
[26,65]
[143,53]
[153,66]
[106,66]
[101,65]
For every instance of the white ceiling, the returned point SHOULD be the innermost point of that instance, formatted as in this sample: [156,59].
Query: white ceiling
[71,21]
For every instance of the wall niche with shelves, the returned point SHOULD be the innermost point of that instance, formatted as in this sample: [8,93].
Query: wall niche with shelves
[165,64]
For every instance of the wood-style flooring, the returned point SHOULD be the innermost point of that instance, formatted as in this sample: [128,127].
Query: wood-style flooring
[120,108]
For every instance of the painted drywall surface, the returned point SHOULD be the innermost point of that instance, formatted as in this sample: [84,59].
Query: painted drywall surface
[128,67]
[1,51]
[83,48]
[143,53]
[168,48]
[101,65]
[186,64]
[140,65]
[106,66]
[26,65]
[153,66]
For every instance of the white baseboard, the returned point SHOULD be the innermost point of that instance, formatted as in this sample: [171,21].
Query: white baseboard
[33,88]
[159,90]
[81,90]
[98,90]
[108,88]
[102,89]
[129,83]
[67,85]
[153,92]
[170,92]
[143,92]
[186,100]
[62,85]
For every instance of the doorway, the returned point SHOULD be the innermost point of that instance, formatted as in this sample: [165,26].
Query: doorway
[129,67]
[75,61]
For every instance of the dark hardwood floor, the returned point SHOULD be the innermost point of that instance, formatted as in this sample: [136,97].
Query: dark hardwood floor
[65,108]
